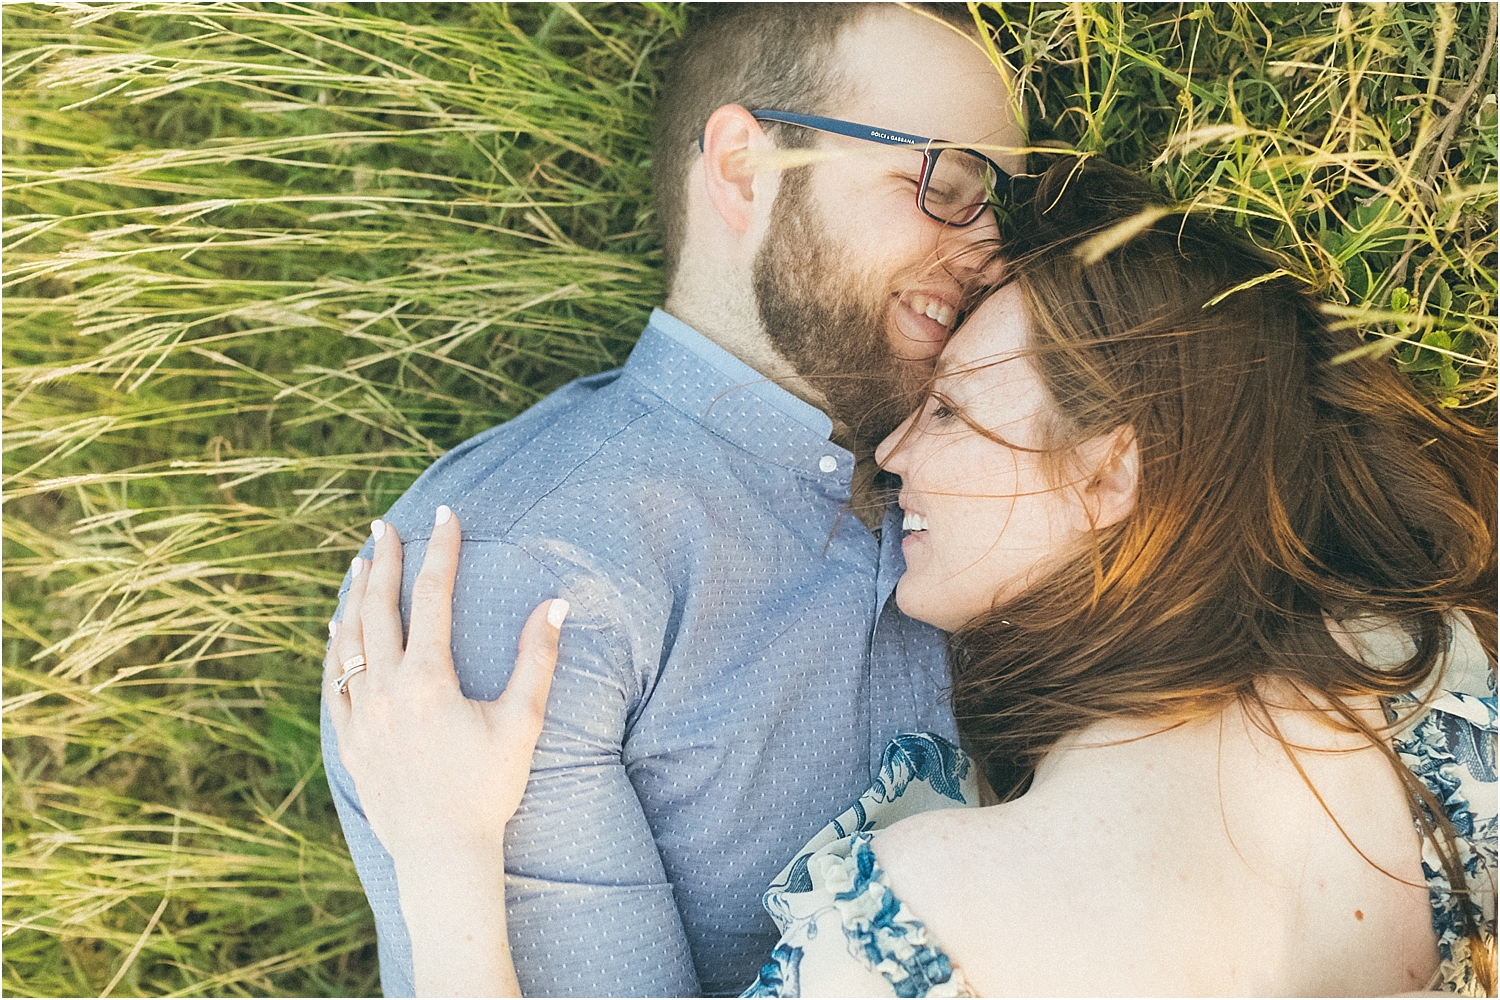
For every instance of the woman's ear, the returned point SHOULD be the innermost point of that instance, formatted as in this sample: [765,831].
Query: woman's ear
[729,138]
[1111,466]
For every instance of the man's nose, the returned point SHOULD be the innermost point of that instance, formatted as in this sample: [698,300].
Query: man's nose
[973,249]
[986,228]
[972,258]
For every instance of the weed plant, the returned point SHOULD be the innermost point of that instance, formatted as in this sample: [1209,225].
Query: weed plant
[264,262]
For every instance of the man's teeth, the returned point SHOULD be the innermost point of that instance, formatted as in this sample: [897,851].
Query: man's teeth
[913,522]
[936,310]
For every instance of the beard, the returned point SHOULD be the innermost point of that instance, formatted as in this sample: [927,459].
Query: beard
[829,321]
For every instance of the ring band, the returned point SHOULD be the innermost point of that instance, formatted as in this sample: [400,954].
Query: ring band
[354,665]
[341,682]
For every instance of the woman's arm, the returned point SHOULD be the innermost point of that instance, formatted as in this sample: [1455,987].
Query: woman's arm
[418,749]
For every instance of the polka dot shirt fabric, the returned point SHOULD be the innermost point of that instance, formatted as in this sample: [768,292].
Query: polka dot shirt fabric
[730,672]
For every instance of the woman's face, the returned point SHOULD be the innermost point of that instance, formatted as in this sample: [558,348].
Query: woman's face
[985,519]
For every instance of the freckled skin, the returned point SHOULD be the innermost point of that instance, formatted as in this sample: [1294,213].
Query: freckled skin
[1213,872]
[995,519]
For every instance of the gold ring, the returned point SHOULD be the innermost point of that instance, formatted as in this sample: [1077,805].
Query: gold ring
[349,668]
[341,682]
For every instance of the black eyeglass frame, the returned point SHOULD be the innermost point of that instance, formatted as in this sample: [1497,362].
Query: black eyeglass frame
[890,137]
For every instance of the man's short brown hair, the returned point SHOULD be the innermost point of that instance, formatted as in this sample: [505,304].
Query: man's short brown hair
[757,55]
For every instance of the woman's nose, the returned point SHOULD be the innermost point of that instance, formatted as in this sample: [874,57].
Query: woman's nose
[887,453]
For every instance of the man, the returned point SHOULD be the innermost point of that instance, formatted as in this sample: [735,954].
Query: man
[733,663]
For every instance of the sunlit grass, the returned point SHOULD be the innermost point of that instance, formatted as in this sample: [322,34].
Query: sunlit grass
[1356,141]
[264,262]
[263,265]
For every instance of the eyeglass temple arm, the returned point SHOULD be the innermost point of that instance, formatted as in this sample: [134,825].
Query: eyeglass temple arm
[857,131]
[837,127]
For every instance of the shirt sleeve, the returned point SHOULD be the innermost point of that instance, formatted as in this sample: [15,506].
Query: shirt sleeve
[589,907]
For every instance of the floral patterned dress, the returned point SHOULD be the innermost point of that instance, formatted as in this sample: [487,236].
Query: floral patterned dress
[845,933]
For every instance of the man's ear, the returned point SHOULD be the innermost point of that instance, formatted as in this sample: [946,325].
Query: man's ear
[1111,466]
[729,139]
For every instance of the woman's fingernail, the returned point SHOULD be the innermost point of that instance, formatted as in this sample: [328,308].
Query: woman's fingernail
[443,514]
[377,528]
[556,612]
[355,566]
[333,629]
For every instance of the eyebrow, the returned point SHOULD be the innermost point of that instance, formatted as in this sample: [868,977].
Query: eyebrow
[946,368]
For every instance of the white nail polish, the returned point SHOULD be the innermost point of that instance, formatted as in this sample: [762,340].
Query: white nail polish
[377,528]
[356,566]
[443,514]
[333,629]
[556,612]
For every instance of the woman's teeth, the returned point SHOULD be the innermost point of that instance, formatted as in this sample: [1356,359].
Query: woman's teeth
[913,522]
[936,310]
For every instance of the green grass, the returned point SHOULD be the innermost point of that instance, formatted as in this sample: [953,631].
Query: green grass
[264,262]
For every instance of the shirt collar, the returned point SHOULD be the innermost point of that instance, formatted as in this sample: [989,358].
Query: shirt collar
[742,374]
[707,383]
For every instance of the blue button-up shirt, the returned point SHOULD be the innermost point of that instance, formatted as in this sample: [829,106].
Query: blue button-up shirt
[731,669]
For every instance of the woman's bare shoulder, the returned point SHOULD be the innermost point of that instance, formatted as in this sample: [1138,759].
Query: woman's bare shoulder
[992,885]
[1182,855]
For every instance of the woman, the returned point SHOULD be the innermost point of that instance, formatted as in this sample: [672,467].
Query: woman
[1210,596]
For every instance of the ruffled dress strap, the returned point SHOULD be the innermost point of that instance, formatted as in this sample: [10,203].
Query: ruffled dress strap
[844,932]
[1450,747]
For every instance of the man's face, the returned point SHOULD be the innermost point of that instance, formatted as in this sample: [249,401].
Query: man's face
[856,286]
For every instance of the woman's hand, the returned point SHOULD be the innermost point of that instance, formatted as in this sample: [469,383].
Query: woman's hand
[438,775]
[433,769]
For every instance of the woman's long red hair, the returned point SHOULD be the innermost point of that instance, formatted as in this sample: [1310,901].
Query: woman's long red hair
[1277,489]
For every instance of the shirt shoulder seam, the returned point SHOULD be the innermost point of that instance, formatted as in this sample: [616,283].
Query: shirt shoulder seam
[503,535]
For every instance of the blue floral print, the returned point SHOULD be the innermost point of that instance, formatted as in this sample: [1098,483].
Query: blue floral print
[893,942]
[1451,749]
[835,881]
[921,757]
[778,977]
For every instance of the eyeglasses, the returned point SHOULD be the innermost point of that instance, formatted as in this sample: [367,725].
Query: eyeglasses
[954,189]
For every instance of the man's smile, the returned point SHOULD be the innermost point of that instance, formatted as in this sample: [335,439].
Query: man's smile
[925,319]
[933,307]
